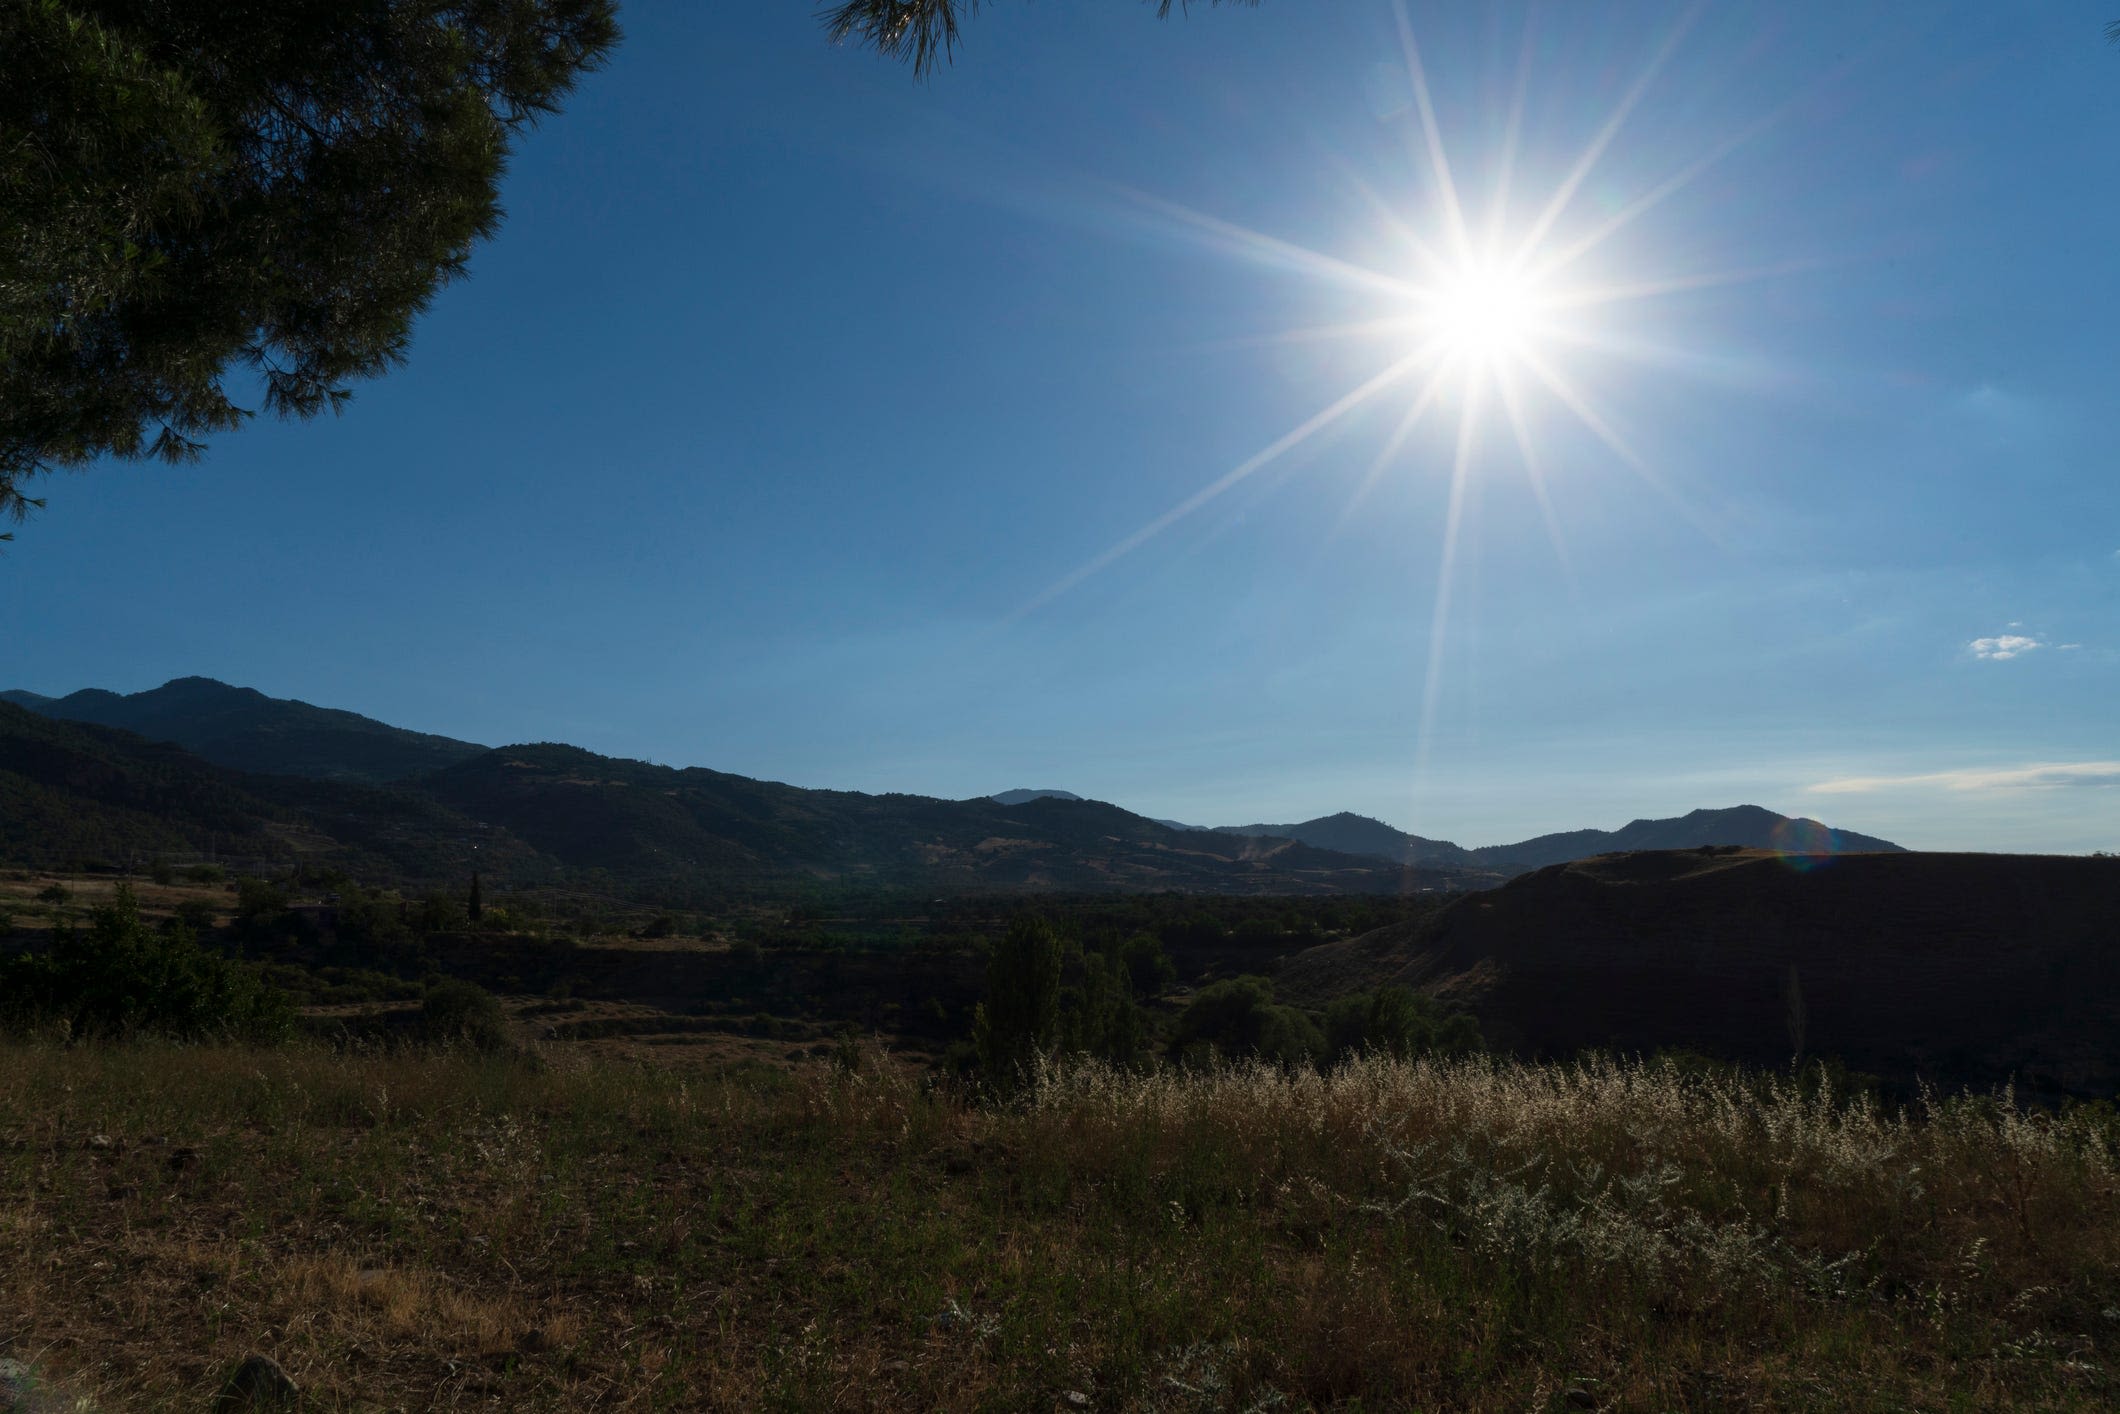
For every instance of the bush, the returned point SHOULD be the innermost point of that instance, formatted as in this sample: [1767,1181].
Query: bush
[1238,1018]
[441,912]
[54,894]
[194,913]
[122,978]
[1396,1021]
[258,899]
[1147,965]
[456,1012]
[206,874]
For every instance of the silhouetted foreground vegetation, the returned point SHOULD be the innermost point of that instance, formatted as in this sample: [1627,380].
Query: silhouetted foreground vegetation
[120,977]
[407,1229]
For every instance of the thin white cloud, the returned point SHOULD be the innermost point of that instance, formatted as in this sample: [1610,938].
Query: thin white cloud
[2050,775]
[2004,646]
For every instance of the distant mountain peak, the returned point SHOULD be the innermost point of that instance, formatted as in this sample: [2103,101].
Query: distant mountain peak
[1751,826]
[1025,797]
[241,727]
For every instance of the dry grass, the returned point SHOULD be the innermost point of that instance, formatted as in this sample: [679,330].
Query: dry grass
[409,1231]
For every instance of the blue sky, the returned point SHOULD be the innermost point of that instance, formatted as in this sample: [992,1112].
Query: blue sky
[777,428]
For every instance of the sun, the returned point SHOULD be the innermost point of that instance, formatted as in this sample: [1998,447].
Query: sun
[1484,314]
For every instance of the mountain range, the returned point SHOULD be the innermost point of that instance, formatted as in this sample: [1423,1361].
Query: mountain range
[1747,825]
[197,766]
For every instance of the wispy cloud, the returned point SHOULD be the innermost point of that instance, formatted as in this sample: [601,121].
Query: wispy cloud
[2051,775]
[2004,646]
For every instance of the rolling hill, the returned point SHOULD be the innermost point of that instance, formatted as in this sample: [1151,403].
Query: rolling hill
[1963,969]
[1025,797]
[596,812]
[1358,834]
[74,794]
[1746,826]
[242,728]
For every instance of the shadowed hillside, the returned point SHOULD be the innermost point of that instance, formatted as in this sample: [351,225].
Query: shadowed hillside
[1959,968]
[641,820]
[242,728]
[71,792]
[75,795]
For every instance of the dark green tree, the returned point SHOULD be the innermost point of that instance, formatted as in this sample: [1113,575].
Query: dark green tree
[273,189]
[1098,1016]
[1020,1018]
[925,32]
[1396,1021]
[1238,1018]
[1148,966]
[476,909]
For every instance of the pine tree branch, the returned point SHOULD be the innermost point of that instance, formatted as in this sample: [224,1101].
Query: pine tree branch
[925,32]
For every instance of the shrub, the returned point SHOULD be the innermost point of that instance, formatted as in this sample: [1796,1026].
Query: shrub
[206,874]
[441,912]
[257,899]
[1147,965]
[1396,1021]
[456,1012]
[193,913]
[54,894]
[1238,1018]
[122,978]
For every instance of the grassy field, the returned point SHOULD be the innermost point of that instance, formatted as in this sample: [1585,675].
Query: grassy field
[434,1231]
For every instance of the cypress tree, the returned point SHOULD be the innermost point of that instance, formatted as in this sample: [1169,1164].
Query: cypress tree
[1020,1018]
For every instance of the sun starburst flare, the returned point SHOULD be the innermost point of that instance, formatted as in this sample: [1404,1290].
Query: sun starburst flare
[1483,317]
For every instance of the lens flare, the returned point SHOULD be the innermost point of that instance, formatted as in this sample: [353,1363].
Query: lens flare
[1478,320]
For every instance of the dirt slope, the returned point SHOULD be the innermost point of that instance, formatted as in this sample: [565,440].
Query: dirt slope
[1958,968]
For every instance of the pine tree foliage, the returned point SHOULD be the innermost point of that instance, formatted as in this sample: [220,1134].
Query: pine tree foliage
[926,32]
[270,189]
